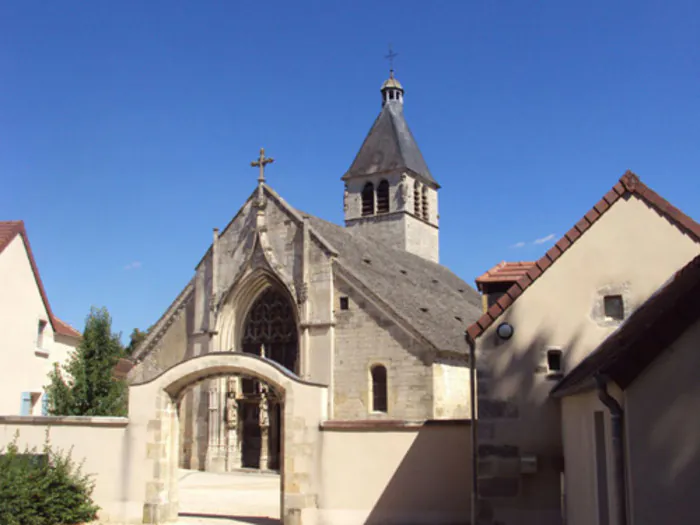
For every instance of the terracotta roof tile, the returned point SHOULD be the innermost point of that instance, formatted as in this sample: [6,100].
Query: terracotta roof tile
[122,368]
[629,183]
[8,231]
[504,272]
[64,328]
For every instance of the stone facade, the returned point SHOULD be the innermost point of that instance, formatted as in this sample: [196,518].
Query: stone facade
[404,226]
[366,336]
[275,245]
[374,317]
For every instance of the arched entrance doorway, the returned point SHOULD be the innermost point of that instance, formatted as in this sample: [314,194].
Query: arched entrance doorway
[270,331]
[154,434]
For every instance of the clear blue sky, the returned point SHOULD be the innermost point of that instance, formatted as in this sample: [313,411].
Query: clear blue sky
[127,128]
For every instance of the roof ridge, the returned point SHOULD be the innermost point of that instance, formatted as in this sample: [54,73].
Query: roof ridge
[156,332]
[629,183]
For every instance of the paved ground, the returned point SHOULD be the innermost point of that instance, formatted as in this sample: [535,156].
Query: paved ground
[231,498]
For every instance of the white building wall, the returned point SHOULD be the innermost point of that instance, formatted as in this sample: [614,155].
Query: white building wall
[27,358]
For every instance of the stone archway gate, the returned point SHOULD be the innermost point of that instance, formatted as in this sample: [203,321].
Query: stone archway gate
[153,435]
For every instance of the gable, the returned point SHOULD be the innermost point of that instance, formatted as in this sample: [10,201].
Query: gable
[646,334]
[15,231]
[424,295]
[634,204]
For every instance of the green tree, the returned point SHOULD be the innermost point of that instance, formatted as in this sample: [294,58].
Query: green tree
[137,336]
[86,386]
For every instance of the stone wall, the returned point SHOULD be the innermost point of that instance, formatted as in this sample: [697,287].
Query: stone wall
[101,442]
[395,473]
[366,336]
[451,393]
[400,228]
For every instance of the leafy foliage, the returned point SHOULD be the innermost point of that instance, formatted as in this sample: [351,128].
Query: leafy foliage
[43,487]
[87,386]
[136,337]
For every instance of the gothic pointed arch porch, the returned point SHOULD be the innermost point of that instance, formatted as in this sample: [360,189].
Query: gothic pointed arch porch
[259,318]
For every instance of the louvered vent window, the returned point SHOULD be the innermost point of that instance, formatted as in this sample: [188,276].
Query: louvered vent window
[416,199]
[368,199]
[383,197]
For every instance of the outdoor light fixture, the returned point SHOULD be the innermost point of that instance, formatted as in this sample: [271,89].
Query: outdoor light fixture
[505,331]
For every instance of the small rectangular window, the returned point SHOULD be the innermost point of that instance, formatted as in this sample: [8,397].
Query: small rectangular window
[344,303]
[554,361]
[40,334]
[614,307]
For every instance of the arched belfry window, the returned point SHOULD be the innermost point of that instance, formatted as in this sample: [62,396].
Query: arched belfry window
[426,215]
[383,197]
[368,199]
[416,199]
[379,388]
[270,327]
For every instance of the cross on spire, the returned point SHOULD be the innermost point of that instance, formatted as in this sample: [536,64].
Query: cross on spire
[261,163]
[391,56]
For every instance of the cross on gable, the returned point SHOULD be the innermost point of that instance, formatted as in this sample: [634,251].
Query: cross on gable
[261,163]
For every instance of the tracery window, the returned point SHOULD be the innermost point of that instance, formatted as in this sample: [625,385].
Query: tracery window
[379,388]
[368,199]
[271,327]
[383,197]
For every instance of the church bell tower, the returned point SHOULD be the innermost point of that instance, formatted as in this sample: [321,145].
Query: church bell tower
[390,194]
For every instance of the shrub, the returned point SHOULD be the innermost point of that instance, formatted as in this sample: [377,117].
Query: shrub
[43,487]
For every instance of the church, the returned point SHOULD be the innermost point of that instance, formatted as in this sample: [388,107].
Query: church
[365,309]
[365,316]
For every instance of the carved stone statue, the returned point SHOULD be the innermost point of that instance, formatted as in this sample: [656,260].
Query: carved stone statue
[232,410]
[264,408]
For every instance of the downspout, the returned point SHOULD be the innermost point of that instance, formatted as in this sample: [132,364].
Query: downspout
[616,418]
[472,422]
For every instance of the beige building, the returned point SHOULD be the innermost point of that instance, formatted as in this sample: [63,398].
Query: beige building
[32,337]
[364,309]
[630,415]
[544,318]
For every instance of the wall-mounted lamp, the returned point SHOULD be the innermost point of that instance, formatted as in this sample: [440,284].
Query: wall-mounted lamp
[505,331]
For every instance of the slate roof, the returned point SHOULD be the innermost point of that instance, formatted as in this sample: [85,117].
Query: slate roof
[648,332]
[629,184]
[435,302]
[8,231]
[428,296]
[390,145]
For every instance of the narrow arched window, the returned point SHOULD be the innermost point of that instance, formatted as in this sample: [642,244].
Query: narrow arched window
[383,197]
[426,216]
[379,388]
[416,199]
[368,199]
